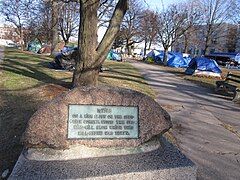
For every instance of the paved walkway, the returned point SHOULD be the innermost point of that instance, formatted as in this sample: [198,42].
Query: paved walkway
[206,126]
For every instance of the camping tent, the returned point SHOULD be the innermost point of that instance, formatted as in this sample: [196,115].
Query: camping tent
[202,64]
[45,49]
[112,55]
[155,56]
[34,46]
[177,60]
[173,59]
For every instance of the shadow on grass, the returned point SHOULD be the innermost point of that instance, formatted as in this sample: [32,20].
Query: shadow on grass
[118,75]
[24,69]
[127,74]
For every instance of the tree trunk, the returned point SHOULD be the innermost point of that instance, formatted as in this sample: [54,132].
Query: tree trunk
[207,39]
[145,48]
[185,44]
[54,25]
[91,56]
[85,73]
[128,46]
[165,57]
[206,45]
[66,41]
[150,44]
[129,49]
[21,39]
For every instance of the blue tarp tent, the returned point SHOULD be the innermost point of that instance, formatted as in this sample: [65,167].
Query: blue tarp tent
[157,56]
[154,56]
[177,60]
[173,59]
[114,56]
[202,64]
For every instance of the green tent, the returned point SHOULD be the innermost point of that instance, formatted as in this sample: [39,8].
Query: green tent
[112,55]
[34,46]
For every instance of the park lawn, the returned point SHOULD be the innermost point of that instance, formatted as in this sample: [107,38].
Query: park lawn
[24,70]
[26,83]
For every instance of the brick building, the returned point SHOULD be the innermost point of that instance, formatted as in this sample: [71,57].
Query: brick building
[9,33]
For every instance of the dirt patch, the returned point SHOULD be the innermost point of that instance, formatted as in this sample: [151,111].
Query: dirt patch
[16,108]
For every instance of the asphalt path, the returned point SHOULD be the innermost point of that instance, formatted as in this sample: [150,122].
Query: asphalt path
[206,125]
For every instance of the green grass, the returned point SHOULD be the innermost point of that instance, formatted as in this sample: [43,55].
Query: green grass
[126,76]
[23,70]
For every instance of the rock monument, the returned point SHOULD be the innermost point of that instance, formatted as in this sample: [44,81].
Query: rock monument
[100,133]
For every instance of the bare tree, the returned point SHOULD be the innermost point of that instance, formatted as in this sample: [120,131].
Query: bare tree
[44,21]
[39,25]
[54,28]
[91,54]
[234,11]
[173,23]
[68,20]
[18,13]
[214,14]
[105,11]
[148,28]
[130,31]
[55,18]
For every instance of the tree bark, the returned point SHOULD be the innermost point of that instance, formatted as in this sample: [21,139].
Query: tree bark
[91,56]
[185,44]
[86,73]
[165,56]
[145,48]
[150,44]
[129,49]
[207,39]
[21,39]
[54,25]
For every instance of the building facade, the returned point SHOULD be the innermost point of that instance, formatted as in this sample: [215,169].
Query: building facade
[224,38]
[9,33]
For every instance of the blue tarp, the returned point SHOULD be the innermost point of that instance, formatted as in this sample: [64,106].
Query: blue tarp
[173,60]
[177,60]
[155,55]
[114,56]
[202,64]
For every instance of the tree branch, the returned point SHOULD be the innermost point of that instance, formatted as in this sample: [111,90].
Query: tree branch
[113,28]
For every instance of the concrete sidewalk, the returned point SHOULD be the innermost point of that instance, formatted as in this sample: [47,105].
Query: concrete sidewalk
[206,125]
